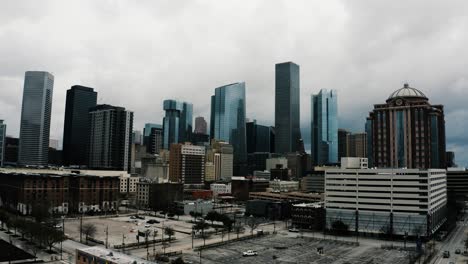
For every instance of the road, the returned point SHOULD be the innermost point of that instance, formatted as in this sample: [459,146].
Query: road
[453,242]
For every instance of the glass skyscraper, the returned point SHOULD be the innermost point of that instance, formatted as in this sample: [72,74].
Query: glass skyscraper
[324,127]
[228,121]
[177,123]
[35,118]
[287,105]
[76,127]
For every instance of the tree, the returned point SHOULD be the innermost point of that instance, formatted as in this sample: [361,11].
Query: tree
[88,230]
[195,215]
[253,223]
[238,228]
[52,236]
[200,227]
[213,216]
[168,231]
[40,212]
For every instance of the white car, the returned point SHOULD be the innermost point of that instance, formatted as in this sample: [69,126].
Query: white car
[249,253]
[295,230]
[147,226]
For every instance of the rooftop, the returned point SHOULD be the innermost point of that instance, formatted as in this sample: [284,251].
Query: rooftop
[112,256]
[407,91]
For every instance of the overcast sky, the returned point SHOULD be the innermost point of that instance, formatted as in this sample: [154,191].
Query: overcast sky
[138,53]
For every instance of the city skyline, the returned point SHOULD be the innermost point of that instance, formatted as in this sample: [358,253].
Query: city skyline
[363,80]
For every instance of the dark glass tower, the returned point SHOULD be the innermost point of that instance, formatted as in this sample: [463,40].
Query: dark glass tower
[407,131]
[110,138]
[287,105]
[228,121]
[258,137]
[76,127]
[324,127]
[177,123]
[35,119]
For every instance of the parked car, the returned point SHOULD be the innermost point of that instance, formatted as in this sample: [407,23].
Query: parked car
[147,226]
[446,254]
[458,251]
[249,253]
[152,221]
[295,230]
[132,217]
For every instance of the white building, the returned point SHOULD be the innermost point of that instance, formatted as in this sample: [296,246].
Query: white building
[128,184]
[272,163]
[199,206]
[411,201]
[284,186]
[262,175]
[220,188]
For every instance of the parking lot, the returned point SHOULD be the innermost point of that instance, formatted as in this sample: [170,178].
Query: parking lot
[281,249]
[124,228]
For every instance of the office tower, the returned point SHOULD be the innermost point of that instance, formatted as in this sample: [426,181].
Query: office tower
[450,159]
[2,142]
[324,127]
[11,151]
[76,126]
[137,137]
[258,137]
[221,155]
[177,123]
[356,145]
[147,132]
[342,143]
[35,118]
[187,164]
[200,125]
[155,142]
[407,131]
[287,107]
[110,138]
[228,121]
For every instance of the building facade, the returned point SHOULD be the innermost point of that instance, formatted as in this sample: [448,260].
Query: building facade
[110,138]
[324,127]
[187,164]
[200,125]
[259,138]
[356,145]
[2,142]
[228,121]
[35,119]
[342,143]
[407,131]
[387,201]
[80,100]
[287,107]
[177,123]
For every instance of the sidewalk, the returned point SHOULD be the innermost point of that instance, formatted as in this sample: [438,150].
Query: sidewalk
[41,254]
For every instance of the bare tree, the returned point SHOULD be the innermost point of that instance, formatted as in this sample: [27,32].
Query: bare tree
[253,223]
[89,230]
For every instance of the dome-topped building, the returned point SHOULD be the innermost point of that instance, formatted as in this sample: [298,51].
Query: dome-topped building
[406,131]
[407,91]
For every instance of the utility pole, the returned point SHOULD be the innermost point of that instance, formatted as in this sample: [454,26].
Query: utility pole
[81,228]
[123,243]
[154,243]
[107,236]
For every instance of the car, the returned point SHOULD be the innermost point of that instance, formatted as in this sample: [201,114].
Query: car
[249,253]
[295,230]
[458,251]
[132,217]
[152,221]
[446,254]
[147,226]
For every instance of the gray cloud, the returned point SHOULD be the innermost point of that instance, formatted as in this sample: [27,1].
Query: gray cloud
[136,54]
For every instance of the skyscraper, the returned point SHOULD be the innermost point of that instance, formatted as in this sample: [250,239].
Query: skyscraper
[76,126]
[200,125]
[187,164]
[356,145]
[146,133]
[110,138]
[258,137]
[155,141]
[407,131]
[228,121]
[35,118]
[2,142]
[177,123]
[287,107]
[342,143]
[324,127]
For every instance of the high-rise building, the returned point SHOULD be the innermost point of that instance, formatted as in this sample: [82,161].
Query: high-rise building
[155,142]
[137,137]
[356,145]
[177,123]
[450,159]
[187,164]
[324,127]
[147,132]
[110,138]
[342,143]
[259,137]
[407,131]
[2,142]
[76,126]
[35,118]
[287,107]
[228,121]
[221,155]
[200,125]
[11,151]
